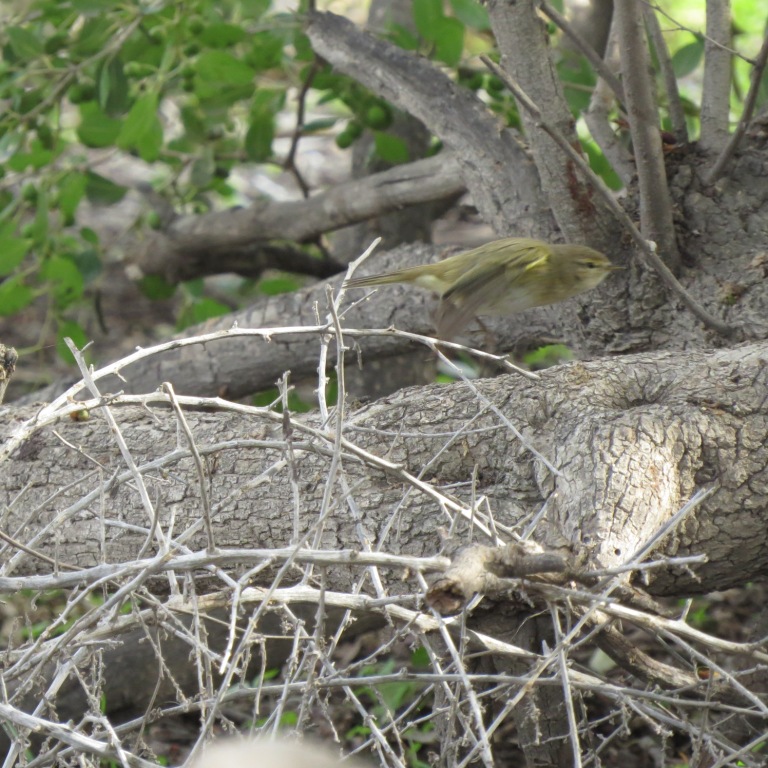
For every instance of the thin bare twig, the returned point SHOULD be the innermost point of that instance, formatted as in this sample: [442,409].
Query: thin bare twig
[591,54]
[598,120]
[205,500]
[565,677]
[149,507]
[746,116]
[674,105]
[289,164]
[697,33]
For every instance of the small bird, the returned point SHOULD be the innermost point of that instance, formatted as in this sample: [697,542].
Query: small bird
[501,278]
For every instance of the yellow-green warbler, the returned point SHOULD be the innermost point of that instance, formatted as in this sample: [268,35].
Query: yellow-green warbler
[501,278]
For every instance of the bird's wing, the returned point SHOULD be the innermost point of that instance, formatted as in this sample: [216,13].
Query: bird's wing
[486,285]
[463,300]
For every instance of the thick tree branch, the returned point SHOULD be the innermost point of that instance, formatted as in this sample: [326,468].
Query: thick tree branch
[237,239]
[524,45]
[369,491]
[632,438]
[501,177]
[655,204]
[597,118]
[715,101]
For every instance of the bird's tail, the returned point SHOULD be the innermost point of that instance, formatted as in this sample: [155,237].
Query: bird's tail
[401,276]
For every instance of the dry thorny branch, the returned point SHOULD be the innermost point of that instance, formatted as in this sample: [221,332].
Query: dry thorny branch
[226,607]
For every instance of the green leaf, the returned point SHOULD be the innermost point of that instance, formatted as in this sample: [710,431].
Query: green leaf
[471,13]
[403,37]
[266,51]
[219,75]
[278,285]
[254,9]
[88,263]
[36,158]
[195,287]
[222,35]
[258,138]
[302,46]
[449,41]
[71,191]
[94,35]
[265,105]
[89,236]
[9,144]
[96,129]
[194,125]
[113,88]
[601,166]
[547,356]
[149,148]
[65,280]
[390,148]
[426,15]
[201,310]
[687,58]
[142,129]
[12,253]
[102,191]
[156,288]
[321,124]
[14,296]
[420,658]
[74,331]
[577,72]
[90,7]
[24,43]
[38,227]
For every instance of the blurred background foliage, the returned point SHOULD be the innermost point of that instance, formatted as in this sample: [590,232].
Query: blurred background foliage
[199,92]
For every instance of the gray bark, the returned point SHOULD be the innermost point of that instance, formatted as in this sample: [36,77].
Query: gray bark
[526,55]
[633,438]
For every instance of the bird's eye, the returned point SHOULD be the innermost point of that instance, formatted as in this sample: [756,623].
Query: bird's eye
[591,264]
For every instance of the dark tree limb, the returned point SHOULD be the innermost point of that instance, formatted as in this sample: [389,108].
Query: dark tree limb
[8,360]
[241,239]
[501,176]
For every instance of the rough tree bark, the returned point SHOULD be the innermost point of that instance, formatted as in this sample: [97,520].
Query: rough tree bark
[631,438]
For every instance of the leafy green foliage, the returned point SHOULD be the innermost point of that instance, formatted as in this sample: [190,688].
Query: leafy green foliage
[547,356]
[444,33]
[95,75]
[687,58]
[578,81]
[198,310]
